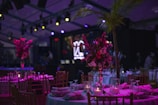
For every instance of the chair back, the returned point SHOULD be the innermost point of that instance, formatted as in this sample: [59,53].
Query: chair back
[88,77]
[14,94]
[109,100]
[26,98]
[35,86]
[61,79]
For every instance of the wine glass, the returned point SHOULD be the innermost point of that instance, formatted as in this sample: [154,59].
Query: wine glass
[137,85]
[75,81]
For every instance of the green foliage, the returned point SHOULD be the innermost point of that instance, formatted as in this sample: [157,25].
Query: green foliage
[114,18]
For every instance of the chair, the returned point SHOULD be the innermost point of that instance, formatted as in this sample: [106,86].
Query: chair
[14,94]
[35,86]
[109,100]
[88,77]
[143,79]
[61,79]
[26,98]
[153,81]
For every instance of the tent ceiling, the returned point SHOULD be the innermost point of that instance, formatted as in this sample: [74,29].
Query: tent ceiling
[143,16]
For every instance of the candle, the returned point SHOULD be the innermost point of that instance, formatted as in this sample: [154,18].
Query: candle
[97,91]
[18,75]
[115,90]
[87,88]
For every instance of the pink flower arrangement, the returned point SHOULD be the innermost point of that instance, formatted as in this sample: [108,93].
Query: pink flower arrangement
[22,47]
[98,56]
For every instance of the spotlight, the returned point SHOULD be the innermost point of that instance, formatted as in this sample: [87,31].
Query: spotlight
[52,33]
[103,21]
[57,23]
[36,28]
[43,27]
[1,16]
[62,31]
[67,17]
[86,26]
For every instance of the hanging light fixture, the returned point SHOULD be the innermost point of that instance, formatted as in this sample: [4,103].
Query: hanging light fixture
[35,28]
[67,17]
[57,23]
[43,26]
[1,16]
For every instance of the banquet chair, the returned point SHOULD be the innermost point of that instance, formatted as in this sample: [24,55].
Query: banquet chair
[22,85]
[14,94]
[26,98]
[153,81]
[35,86]
[109,100]
[61,79]
[88,77]
[143,79]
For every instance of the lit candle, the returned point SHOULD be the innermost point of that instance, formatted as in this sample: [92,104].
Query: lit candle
[97,91]
[87,88]
[18,75]
[115,90]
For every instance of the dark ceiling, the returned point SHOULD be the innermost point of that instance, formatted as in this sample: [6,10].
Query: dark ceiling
[31,13]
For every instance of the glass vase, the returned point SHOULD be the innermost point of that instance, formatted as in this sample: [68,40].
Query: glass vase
[22,64]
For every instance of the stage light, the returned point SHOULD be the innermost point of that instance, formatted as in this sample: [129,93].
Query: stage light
[43,27]
[103,21]
[52,33]
[57,23]
[86,26]
[67,17]
[35,28]
[1,15]
[62,31]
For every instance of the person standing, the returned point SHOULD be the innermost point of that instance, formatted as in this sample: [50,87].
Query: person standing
[138,61]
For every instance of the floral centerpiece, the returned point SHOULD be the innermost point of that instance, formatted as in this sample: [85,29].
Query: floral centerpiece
[22,48]
[98,56]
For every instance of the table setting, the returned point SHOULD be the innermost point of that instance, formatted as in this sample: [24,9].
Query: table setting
[143,94]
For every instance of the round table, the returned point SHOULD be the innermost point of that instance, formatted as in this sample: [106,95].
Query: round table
[51,100]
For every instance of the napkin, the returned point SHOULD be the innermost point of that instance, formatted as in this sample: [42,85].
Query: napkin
[61,88]
[58,93]
[74,96]
[140,95]
[155,91]
[146,88]
[124,86]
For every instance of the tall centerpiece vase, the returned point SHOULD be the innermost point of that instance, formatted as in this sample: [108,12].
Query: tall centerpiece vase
[22,64]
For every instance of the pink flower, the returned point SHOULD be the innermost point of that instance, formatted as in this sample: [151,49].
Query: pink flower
[22,47]
[98,52]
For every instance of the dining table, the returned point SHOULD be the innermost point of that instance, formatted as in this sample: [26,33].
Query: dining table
[51,99]
[6,81]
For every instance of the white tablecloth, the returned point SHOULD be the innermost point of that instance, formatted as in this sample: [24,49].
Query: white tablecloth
[152,100]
